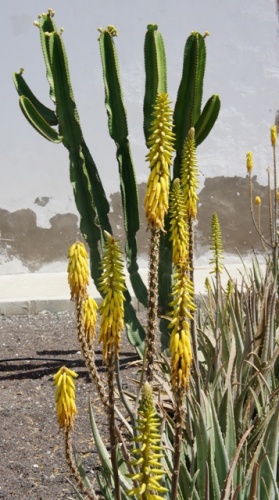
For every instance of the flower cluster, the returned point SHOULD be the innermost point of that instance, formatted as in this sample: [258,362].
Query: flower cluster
[78,271]
[178,225]
[90,308]
[65,397]
[159,157]
[216,245]
[150,470]
[189,174]
[112,285]
[180,343]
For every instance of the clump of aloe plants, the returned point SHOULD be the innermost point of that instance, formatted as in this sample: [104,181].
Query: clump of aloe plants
[202,422]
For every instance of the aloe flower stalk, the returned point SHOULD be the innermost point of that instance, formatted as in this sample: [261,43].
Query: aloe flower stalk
[66,412]
[161,139]
[182,306]
[112,322]
[78,271]
[90,309]
[112,285]
[86,311]
[189,174]
[159,157]
[178,225]
[65,397]
[147,452]
[216,245]
[273,137]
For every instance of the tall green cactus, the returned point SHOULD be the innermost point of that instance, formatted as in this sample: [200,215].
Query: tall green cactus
[88,190]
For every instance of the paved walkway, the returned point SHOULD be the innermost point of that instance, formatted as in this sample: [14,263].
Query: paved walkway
[33,293]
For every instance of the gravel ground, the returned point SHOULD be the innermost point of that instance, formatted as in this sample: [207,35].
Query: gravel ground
[32,459]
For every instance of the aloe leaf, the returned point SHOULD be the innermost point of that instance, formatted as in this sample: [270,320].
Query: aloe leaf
[269,466]
[81,470]
[118,129]
[102,451]
[24,90]
[202,443]
[155,73]
[37,121]
[221,455]
[229,479]
[207,119]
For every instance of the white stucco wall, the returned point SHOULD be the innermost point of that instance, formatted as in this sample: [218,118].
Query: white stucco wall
[242,67]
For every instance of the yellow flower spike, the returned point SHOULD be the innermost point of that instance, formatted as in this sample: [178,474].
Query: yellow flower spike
[90,308]
[65,397]
[180,343]
[277,195]
[159,158]
[189,174]
[112,285]
[216,245]
[78,271]
[273,135]
[149,469]
[178,228]
[249,161]
[258,200]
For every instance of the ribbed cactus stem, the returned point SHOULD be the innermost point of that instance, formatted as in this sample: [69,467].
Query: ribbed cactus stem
[152,306]
[90,495]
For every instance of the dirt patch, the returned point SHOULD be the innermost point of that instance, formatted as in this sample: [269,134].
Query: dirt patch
[32,459]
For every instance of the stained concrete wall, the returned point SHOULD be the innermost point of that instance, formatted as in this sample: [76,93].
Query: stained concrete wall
[38,218]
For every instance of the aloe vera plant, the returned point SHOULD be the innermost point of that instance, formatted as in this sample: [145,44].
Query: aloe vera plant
[61,124]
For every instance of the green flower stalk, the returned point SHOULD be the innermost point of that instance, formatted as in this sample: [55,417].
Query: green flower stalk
[78,271]
[147,452]
[189,174]
[112,285]
[216,245]
[159,157]
[178,225]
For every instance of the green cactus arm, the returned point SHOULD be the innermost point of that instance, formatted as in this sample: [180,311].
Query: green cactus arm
[207,118]
[37,121]
[65,103]
[189,97]
[156,72]
[47,25]
[24,90]
[118,129]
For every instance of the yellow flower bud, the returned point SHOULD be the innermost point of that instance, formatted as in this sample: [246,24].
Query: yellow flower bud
[273,135]
[90,308]
[249,161]
[258,200]
[78,271]
[65,397]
